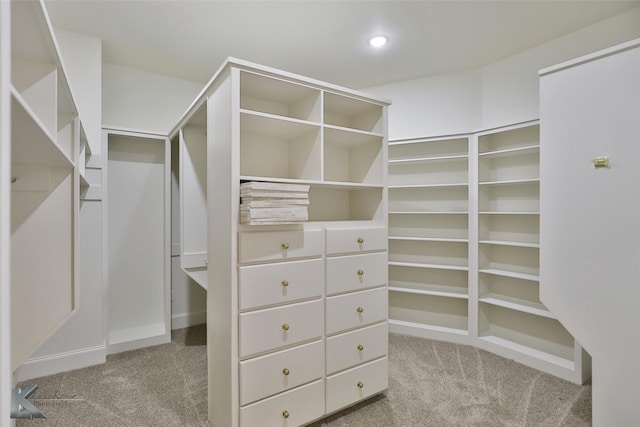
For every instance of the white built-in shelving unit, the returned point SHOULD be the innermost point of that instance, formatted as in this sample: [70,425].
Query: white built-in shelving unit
[429,236]
[48,153]
[464,214]
[136,238]
[296,312]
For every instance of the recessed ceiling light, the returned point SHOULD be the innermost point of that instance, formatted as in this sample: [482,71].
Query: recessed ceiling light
[378,41]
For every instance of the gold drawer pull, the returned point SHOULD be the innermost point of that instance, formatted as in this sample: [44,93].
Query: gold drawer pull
[285,371]
[284,246]
[285,414]
[285,326]
[360,272]
[359,309]
[360,240]
[360,385]
[360,347]
[285,283]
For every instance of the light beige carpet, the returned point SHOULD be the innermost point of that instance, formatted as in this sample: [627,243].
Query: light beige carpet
[431,383]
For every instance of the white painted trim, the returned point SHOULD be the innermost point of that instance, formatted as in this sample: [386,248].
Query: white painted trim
[184,320]
[632,44]
[139,343]
[62,362]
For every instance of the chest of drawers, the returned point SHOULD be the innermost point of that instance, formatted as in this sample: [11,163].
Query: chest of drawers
[312,319]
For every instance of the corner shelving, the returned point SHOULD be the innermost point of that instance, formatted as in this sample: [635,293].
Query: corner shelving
[464,247]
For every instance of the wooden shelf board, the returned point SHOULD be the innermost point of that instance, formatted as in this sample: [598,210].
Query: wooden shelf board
[32,143]
[505,273]
[432,266]
[508,213]
[353,131]
[427,213]
[510,243]
[428,159]
[509,151]
[454,331]
[318,183]
[278,117]
[434,292]
[418,186]
[511,182]
[429,239]
[537,309]
[529,351]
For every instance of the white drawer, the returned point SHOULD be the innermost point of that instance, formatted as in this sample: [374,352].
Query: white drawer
[257,246]
[356,384]
[356,272]
[273,328]
[347,240]
[357,309]
[356,347]
[277,372]
[292,408]
[271,284]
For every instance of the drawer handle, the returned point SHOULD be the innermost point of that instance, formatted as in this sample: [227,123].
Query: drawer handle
[360,309]
[284,246]
[285,371]
[360,385]
[285,283]
[360,347]
[360,272]
[285,414]
[285,326]
[360,240]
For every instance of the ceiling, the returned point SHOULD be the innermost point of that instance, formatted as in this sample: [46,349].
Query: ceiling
[326,40]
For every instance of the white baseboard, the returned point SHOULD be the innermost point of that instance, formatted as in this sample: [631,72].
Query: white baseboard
[62,362]
[184,320]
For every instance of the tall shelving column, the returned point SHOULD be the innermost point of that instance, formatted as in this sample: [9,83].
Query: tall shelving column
[511,319]
[429,237]
[45,183]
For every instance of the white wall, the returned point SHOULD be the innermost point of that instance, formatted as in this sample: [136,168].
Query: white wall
[142,101]
[440,105]
[499,94]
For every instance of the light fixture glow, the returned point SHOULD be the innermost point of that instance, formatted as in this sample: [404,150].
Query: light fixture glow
[378,41]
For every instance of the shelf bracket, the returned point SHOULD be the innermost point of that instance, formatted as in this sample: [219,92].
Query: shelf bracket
[20,405]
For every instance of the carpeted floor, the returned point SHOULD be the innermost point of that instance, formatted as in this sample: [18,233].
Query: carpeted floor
[431,383]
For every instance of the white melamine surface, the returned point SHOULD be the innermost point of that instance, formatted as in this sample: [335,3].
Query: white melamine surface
[356,272]
[589,239]
[356,347]
[267,375]
[356,309]
[279,246]
[356,384]
[295,407]
[346,240]
[275,284]
[273,328]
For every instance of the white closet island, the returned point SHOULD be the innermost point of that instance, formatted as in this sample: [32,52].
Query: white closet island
[296,312]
